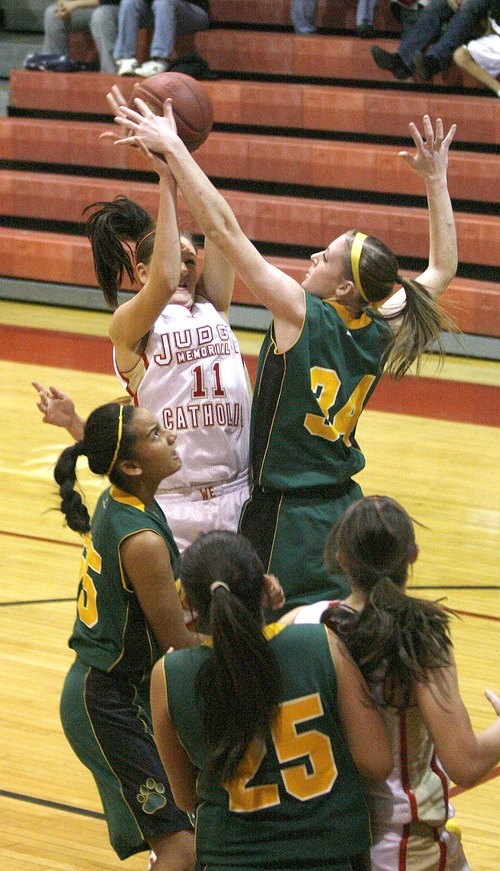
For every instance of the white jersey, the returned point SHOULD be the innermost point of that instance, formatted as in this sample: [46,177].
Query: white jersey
[417,788]
[192,377]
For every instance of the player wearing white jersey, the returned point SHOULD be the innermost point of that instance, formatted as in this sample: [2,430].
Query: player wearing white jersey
[175,352]
[192,377]
[403,648]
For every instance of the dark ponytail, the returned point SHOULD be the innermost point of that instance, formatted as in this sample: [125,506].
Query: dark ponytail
[422,320]
[108,227]
[238,687]
[105,442]
[396,639]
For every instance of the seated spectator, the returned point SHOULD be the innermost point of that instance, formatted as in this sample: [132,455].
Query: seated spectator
[406,12]
[481,57]
[69,16]
[365,13]
[167,19]
[461,19]
[303,15]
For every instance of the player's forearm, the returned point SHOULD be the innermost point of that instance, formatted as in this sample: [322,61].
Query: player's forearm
[443,253]
[205,203]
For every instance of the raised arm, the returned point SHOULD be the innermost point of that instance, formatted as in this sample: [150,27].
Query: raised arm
[132,320]
[281,294]
[59,409]
[466,755]
[431,162]
[216,281]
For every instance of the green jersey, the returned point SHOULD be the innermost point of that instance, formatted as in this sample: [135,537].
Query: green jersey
[111,632]
[295,801]
[308,400]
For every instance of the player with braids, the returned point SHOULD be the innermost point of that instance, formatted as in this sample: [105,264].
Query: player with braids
[325,351]
[270,793]
[175,353]
[403,649]
[128,614]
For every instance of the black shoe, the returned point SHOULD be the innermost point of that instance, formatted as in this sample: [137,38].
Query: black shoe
[426,65]
[365,31]
[392,62]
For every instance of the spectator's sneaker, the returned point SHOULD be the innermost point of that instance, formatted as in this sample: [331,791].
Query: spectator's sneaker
[392,62]
[126,66]
[427,66]
[151,68]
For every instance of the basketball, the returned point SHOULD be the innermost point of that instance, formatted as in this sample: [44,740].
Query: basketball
[192,107]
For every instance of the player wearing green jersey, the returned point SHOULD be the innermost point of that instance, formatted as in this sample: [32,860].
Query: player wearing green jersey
[266,750]
[128,614]
[327,346]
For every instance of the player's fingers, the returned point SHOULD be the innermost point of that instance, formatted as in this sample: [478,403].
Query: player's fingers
[428,129]
[57,394]
[450,135]
[415,135]
[143,108]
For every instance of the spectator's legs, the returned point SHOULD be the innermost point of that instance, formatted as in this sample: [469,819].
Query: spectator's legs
[104,30]
[57,29]
[131,15]
[365,12]
[303,15]
[427,29]
[461,29]
[172,17]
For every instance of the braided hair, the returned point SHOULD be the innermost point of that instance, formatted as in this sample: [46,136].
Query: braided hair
[108,438]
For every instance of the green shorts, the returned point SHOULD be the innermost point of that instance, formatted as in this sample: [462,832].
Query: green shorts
[107,721]
[289,533]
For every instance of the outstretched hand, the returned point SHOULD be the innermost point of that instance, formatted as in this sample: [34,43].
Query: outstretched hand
[431,159]
[58,409]
[494,699]
[141,126]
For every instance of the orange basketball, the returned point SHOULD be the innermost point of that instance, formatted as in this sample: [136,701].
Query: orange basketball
[192,107]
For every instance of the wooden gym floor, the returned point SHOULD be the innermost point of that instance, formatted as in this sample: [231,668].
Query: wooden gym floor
[440,462]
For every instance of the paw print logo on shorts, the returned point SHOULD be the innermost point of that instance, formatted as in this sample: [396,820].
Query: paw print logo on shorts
[152,796]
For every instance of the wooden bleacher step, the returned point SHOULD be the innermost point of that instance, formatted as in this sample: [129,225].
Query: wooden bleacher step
[36,255]
[276,105]
[264,217]
[253,157]
[244,52]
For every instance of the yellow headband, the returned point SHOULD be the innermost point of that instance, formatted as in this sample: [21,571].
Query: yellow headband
[356,248]
[118,441]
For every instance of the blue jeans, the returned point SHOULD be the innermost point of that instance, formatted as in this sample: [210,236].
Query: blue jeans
[303,15]
[460,27]
[426,30]
[365,12]
[166,18]
[102,21]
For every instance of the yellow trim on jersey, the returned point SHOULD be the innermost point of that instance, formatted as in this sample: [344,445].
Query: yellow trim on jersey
[126,498]
[350,322]
[269,631]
